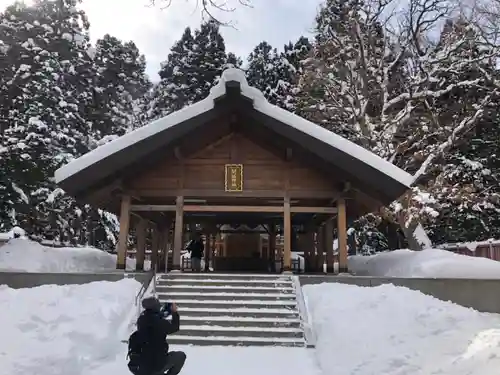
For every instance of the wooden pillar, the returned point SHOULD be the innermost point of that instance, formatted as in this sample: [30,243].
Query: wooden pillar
[208,250]
[329,246]
[166,246]
[141,244]
[178,237]
[342,234]
[272,247]
[121,259]
[320,248]
[155,243]
[287,234]
[309,255]
[163,249]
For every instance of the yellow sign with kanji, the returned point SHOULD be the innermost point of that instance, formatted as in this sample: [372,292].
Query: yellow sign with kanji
[234,177]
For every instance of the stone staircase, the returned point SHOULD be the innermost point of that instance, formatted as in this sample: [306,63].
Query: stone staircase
[233,309]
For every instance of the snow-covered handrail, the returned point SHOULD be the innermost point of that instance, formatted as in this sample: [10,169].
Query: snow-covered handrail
[305,320]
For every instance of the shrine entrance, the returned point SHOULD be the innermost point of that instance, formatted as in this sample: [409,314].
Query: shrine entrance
[226,166]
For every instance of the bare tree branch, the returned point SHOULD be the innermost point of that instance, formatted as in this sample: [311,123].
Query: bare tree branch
[208,8]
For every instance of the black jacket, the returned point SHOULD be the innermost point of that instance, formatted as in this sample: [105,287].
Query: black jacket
[196,248]
[157,327]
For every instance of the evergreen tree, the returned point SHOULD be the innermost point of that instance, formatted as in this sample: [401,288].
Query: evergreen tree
[261,72]
[120,83]
[45,123]
[173,91]
[192,68]
[209,59]
[289,69]
[58,97]
[277,74]
[233,61]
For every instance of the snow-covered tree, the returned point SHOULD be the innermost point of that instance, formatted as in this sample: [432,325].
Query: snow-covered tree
[276,73]
[120,83]
[395,92]
[45,124]
[192,68]
[48,113]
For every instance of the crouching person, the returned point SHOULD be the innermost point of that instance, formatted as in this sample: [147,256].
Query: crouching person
[148,347]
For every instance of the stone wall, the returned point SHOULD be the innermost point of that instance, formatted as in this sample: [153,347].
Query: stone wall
[19,280]
[480,294]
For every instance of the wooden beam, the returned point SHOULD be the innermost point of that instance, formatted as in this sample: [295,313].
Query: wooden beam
[212,208]
[287,244]
[342,234]
[152,207]
[289,154]
[124,229]
[227,208]
[141,244]
[314,210]
[216,193]
[178,237]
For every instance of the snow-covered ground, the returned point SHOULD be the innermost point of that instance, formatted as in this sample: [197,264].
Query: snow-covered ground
[62,330]
[220,360]
[396,331]
[433,263]
[20,254]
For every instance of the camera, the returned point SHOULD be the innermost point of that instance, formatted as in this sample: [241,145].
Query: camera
[166,309]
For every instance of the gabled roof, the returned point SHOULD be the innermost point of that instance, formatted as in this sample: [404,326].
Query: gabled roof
[98,164]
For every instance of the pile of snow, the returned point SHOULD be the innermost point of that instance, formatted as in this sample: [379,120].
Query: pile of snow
[21,254]
[62,329]
[429,263]
[15,232]
[394,330]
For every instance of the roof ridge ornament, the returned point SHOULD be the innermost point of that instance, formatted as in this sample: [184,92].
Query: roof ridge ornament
[236,75]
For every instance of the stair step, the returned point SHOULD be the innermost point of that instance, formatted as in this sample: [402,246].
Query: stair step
[225,276]
[233,309]
[239,331]
[208,303]
[181,288]
[233,341]
[241,312]
[228,296]
[221,282]
[230,321]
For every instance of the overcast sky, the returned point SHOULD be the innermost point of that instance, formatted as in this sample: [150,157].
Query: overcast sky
[155,30]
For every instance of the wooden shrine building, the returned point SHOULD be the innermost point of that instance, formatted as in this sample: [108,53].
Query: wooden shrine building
[234,159]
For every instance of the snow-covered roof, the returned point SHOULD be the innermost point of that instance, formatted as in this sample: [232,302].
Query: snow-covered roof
[260,104]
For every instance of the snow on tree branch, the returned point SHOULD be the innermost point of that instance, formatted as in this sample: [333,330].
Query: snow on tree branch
[411,85]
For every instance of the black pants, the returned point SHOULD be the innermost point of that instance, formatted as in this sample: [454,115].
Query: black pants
[174,363]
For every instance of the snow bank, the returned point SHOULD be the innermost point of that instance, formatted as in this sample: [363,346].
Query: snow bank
[395,331]
[28,256]
[61,330]
[14,232]
[432,263]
